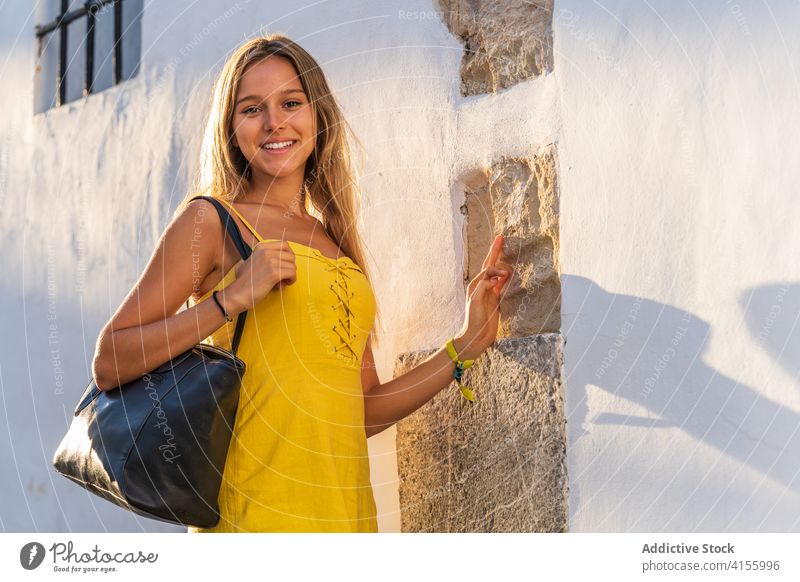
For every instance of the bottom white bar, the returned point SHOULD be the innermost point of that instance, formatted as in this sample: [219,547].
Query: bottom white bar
[381,557]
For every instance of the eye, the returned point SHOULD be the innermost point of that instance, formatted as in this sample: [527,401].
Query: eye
[293,101]
[249,108]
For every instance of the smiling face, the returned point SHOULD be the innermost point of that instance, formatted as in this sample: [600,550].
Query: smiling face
[270,110]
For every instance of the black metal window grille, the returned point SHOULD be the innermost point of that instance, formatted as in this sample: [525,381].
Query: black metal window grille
[88,10]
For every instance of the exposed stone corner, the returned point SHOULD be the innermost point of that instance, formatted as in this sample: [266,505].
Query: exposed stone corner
[498,464]
[505,42]
[518,197]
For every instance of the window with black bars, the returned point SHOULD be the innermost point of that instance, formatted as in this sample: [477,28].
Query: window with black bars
[84,47]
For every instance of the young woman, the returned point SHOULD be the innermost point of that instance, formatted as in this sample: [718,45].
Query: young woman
[276,152]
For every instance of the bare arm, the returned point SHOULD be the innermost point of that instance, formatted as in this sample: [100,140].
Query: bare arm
[146,331]
[125,354]
[387,403]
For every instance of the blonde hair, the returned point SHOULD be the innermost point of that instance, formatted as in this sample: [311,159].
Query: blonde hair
[329,190]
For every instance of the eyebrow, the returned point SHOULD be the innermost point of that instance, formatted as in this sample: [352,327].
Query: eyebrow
[284,92]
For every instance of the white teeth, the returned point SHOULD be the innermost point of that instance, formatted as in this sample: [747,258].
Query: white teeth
[277,146]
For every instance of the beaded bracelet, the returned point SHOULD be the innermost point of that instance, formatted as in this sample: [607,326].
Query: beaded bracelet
[458,371]
[222,309]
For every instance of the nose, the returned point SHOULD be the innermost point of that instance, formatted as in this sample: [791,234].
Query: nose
[274,118]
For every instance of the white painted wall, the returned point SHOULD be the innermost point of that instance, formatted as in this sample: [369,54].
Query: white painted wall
[680,268]
[676,195]
[88,188]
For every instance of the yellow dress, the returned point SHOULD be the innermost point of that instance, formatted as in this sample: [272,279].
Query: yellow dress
[298,459]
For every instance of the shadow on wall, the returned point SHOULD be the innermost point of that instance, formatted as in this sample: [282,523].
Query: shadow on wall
[652,354]
[772,314]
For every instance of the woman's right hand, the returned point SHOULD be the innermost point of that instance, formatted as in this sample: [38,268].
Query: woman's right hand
[270,266]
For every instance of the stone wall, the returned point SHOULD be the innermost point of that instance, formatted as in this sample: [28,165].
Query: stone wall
[505,42]
[518,198]
[499,464]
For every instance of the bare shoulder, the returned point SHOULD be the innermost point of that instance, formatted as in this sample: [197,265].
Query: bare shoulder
[198,220]
[186,253]
[202,212]
[199,223]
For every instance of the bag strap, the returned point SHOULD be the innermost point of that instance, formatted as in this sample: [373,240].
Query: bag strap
[244,221]
[244,250]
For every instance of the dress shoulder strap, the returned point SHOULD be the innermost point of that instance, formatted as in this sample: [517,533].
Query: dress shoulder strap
[244,221]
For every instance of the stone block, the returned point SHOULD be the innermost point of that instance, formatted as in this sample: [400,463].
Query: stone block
[505,42]
[518,197]
[495,465]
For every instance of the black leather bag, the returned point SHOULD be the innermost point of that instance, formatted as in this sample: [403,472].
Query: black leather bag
[157,445]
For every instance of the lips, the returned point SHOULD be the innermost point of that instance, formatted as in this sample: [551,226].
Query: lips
[278,147]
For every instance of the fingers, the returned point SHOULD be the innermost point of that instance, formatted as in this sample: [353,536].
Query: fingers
[494,251]
[280,258]
[496,272]
[283,247]
[502,282]
[485,290]
[488,273]
[487,279]
[287,270]
[279,246]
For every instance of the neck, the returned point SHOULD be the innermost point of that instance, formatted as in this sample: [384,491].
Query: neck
[286,192]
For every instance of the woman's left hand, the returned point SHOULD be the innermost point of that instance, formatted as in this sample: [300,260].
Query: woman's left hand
[484,294]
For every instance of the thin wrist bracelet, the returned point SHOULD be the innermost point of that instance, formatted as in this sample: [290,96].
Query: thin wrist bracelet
[458,371]
[222,309]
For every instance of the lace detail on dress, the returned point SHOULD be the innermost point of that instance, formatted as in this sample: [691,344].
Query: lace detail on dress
[341,289]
